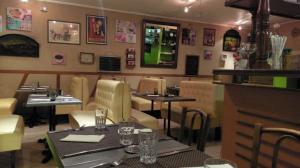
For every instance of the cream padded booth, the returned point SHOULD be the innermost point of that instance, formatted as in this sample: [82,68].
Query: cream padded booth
[114,95]
[78,89]
[7,106]
[148,85]
[11,134]
[209,98]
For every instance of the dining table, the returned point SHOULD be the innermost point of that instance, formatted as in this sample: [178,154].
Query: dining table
[164,99]
[170,153]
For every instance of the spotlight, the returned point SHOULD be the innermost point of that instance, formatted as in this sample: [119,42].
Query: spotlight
[44,9]
[240,28]
[24,0]
[186,9]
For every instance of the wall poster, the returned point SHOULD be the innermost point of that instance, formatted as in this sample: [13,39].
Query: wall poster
[125,31]
[1,29]
[188,36]
[96,29]
[63,32]
[19,19]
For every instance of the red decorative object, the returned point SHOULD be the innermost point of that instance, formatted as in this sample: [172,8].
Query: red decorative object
[130,58]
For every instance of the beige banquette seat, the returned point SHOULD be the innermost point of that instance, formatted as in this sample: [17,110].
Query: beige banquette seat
[148,85]
[114,95]
[78,89]
[11,128]
[209,98]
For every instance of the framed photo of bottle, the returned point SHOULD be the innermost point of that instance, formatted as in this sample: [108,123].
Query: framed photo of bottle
[96,30]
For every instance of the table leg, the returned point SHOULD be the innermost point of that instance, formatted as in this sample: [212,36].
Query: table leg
[169,119]
[52,119]
[152,106]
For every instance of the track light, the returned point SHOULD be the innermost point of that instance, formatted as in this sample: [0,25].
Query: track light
[240,28]
[187,8]
[24,0]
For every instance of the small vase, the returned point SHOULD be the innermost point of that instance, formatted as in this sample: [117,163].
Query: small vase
[277,61]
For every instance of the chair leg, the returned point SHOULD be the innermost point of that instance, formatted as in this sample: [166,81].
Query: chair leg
[12,159]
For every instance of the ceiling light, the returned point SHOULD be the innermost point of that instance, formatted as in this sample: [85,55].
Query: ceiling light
[24,0]
[186,9]
[240,28]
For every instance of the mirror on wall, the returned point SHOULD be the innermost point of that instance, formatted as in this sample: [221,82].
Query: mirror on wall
[159,44]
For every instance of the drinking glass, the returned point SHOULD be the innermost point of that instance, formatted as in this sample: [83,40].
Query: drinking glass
[100,117]
[214,162]
[126,132]
[148,146]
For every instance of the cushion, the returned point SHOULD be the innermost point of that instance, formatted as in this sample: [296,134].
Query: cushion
[11,132]
[87,118]
[144,119]
[141,104]
[7,106]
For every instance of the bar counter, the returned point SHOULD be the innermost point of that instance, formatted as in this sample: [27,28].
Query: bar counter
[270,97]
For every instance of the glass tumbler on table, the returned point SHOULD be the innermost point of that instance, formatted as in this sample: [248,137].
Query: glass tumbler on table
[100,118]
[148,146]
[126,132]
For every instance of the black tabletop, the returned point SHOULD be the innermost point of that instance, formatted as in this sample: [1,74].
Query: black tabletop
[163,98]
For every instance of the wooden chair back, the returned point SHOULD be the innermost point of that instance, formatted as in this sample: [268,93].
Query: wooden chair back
[257,138]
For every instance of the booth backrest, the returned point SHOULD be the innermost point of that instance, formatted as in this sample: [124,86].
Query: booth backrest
[110,94]
[79,89]
[148,85]
[209,97]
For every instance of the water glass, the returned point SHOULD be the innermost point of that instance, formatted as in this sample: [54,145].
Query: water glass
[148,146]
[216,162]
[100,117]
[126,132]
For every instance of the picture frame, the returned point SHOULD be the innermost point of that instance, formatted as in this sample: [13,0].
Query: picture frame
[96,29]
[209,36]
[189,36]
[18,19]
[231,40]
[58,58]
[86,58]
[64,32]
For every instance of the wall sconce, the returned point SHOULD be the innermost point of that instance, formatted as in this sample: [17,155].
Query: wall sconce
[44,9]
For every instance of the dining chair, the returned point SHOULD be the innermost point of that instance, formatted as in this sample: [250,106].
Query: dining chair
[202,132]
[259,130]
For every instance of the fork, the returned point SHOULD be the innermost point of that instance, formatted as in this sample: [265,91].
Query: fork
[109,164]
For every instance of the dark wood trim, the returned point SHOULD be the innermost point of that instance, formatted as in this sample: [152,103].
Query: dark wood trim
[258,72]
[57,81]
[98,73]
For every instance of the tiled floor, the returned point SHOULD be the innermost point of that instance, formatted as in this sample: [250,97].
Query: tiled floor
[30,156]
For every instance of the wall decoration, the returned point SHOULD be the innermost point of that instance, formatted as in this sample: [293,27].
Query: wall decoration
[96,29]
[63,32]
[130,58]
[1,26]
[209,37]
[208,54]
[191,64]
[231,40]
[188,36]
[18,45]
[58,59]
[160,42]
[87,58]
[19,19]
[125,31]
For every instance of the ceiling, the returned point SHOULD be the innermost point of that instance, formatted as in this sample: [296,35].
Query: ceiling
[205,11]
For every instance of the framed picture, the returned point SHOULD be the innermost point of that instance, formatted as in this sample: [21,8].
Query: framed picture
[63,32]
[96,29]
[58,59]
[209,37]
[19,19]
[231,40]
[87,58]
[208,54]
[125,31]
[1,24]
[188,36]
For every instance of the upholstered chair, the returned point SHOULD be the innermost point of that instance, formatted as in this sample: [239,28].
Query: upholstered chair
[11,134]
[78,89]
[148,85]
[7,106]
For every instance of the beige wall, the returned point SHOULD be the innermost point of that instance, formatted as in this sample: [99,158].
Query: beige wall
[78,14]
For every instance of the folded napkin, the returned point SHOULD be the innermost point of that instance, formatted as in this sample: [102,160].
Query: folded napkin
[153,95]
[40,100]
[82,138]
[38,95]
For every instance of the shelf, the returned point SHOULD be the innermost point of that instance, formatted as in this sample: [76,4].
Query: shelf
[277,7]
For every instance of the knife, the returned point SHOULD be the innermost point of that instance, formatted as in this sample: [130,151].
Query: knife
[90,151]
[165,154]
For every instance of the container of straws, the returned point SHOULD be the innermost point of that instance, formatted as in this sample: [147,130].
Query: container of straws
[278,43]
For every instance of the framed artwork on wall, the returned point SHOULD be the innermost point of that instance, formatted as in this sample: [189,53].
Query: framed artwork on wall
[192,65]
[63,32]
[209,37]
[96,29]
[188,36]
[1,24]
[231,40]
[87,58]
[125,31]
[19,19]
[58,59]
